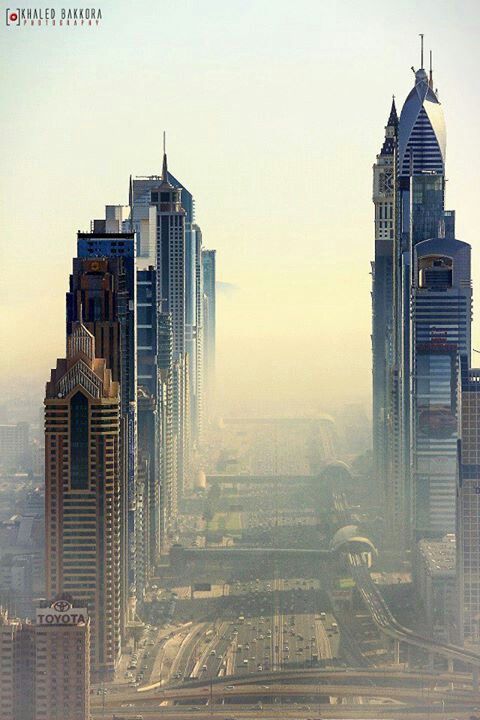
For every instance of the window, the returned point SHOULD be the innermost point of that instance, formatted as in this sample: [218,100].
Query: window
[79,441]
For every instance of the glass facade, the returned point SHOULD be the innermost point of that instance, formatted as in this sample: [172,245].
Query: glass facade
[79,442]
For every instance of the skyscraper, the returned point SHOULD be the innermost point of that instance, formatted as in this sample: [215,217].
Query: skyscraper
[10,643]
[156,210]
[103,292]
[209,325]
[418,215]
[150,428]
[46,666]
[382,299]
[155,409]
[420,162]
[441,317]
[160,222]
[169,439]
[83,487]
[62,661]
[468,507]
[197,394]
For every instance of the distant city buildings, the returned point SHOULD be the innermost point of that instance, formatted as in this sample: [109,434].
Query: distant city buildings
[22,559]
[14,446]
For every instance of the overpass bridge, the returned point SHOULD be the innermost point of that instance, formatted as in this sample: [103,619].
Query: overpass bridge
[235,552]
[409,689]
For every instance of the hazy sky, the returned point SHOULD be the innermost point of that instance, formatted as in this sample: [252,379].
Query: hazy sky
[274,113]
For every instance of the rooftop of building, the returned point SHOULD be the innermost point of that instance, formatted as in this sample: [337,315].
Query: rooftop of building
[439,555]
[105,235]
[21,533]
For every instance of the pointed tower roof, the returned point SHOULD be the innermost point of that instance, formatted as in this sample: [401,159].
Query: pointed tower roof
[79,341]
[165,180]
[391,127]
[393,117]
[421,129]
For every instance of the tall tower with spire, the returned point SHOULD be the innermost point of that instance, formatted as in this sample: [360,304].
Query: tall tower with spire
[409,194]
[382,295]
[420,199]
[170,256]
[161,219]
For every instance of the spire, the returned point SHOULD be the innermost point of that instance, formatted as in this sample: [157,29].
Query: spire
[430,80]
[164,168]
[165,180]
[391,129]
[421,51]
[393,117]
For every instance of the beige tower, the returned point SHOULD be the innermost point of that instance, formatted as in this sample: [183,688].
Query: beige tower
[82,477]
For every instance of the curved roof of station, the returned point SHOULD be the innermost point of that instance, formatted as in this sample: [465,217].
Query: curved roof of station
[350,535]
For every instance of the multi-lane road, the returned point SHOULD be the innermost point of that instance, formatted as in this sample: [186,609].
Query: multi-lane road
[267,625]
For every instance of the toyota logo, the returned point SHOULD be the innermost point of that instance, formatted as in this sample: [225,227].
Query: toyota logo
[61,606]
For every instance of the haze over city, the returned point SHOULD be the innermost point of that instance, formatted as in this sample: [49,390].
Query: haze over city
[274,131]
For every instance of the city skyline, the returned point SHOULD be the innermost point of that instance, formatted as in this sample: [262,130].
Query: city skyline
[331,175]
[257,465]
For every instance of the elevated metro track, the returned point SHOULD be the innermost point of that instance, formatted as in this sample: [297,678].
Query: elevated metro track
[388,624]
[382,615]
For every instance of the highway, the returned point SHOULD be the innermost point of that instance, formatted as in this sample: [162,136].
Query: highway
[265,626]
